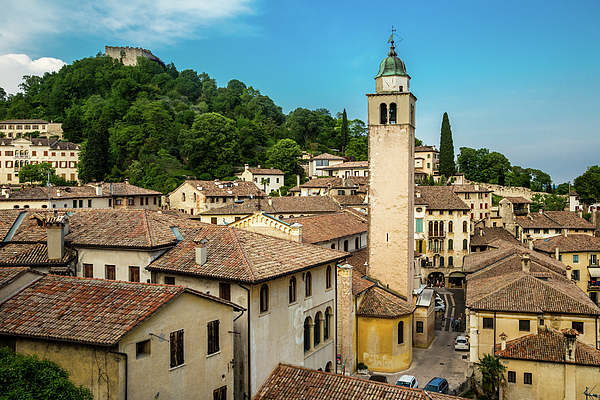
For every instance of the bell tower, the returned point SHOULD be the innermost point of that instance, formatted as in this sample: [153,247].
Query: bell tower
[391,120]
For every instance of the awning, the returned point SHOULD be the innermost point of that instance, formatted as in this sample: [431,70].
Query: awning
[594,272]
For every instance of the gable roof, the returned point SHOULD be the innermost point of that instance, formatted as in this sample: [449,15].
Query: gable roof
[240,255]
[78,192]
[421,149]
[554,220]
[348,165]
[327,156]
[93,311]
[288,205]
[517,200]
[218,188]
[326,227]
[265,171]
[378,302]
[522,292]
[571,243]
[288,382]
[548,346]
[440,198]
[484,236]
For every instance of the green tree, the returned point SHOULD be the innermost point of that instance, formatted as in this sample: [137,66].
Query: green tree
[447,165]
[212,145]
[418,142]
[563,188]
[27,377]
[587,185]
[345,131]
[492,374]
[547,202]
[285,156]
[358,148]
[305,125]
[36,173]
[94,153]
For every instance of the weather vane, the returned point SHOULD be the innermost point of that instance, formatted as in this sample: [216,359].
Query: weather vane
[391,39]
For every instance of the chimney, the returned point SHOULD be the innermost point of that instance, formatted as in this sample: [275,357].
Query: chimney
[58,192]
[503,338]
[270,201]
[480,231]
[570,344]
[99,188]
[296,232]
[297,180]
[55,231]
[201,256]
[541,211]
[556,253]
[418,194]
[530,243]
[525,262]
[246,167]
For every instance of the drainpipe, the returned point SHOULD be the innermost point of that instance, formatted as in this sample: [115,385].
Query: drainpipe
[124,355]
[335,342]
[495,323]
[356,323]
[249,353]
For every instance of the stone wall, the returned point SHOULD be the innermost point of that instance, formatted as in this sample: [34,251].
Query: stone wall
[129,55]
[506,191]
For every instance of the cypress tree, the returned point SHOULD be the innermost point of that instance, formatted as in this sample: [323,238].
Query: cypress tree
[95,153]
[344,141]
[447,165]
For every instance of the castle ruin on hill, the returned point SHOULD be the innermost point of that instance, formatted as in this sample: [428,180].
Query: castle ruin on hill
[128,55]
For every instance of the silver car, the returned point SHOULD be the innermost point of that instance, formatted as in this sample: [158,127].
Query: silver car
[408,381]
[461,343]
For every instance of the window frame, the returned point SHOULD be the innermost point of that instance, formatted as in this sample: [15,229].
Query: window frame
[212,336]
[401,332]
[328,280]
[264,298]
[308,285]
[143,349]
[176,348]
[527,378]
[524,325]
[292,290]
[576,325]
[487,323]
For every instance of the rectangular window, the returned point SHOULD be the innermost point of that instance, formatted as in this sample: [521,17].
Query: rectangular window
[131,201]
[80,203]
[225,291]
[110,202]
[213,220]
[134,274]
[512,377]
[111,272]
[527,378]
[220,393]
[89,203]
[74,203]
[154,200]
[575,275]
[169,280]
[118,202]
[88,270]
[72,154]
[213,337]
[524,325]
[33,153]
[419,225]
[176,344]
[536,230]
[575,258]
[142,349]
[578,326]
[488,323]
[9,177]
[53,154]
[419,326]
[146,201]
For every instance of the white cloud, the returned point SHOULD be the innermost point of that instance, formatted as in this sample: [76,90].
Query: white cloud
[14,66]
[147,21]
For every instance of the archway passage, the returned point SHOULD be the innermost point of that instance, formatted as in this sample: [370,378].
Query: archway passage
[436,279]
[456,280]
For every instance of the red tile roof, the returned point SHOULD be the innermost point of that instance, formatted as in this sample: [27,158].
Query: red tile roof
[325,227]
[440,198]
[554,220]
[522,292]
[483,236]
[240,255]
[82,310]
[518,200]
[470,189]
[327,156]
[30,254]
[8,274]
[279,205]
[420,149]
[265,171]
[547,346]
[349,164]
[572,243]
[241,189]
[288,382]
[380,303]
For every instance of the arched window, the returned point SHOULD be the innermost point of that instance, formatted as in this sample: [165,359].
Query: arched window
[317,330]
[195,197]
[308,284]
[431,227]
[307,323]
[328,277]
[400,332]
[441,228]
[450,244]
[465,244]
[450,261]
[183,196]
[292,289]
[441,261]
[357,242]
[383,113]
[392,113]
[465,226]
[327,324]
[450,227]
[264,298]
[329,367]
[345,245]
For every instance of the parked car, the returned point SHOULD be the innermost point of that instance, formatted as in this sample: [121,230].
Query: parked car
[378,378]
[461,343]
[439,305]
[437,385]
[408,381]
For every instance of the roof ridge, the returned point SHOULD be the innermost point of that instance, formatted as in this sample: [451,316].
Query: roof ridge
[247,264]
[147,227]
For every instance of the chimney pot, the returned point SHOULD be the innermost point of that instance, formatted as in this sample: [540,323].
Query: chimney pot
[525,262]
[201,256]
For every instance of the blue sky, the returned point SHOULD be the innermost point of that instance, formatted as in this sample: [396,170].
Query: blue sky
[518,77]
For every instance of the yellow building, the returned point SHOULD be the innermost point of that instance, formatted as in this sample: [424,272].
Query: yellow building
[517,294]
[580,252]
[548,365]
[123,339]
[426,161]
[17,128]
[267,179]
[479,199]
[545,224]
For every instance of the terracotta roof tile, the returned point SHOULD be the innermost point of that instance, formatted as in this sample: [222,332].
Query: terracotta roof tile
[30,254]
[240,255]
[470,189]
[359,284]
[350,200]
[483,236]
[265,171]
[547,346]
[78,192]
[8,274]
[288,205]
[378,302]
[326,227]
[82,310]
[288,382]
[441,198]
[420,149]
[349,164]
[7,220]
[553,219]
[327,156]
[518,200]
[358,259]
[521,292]
[570,244]
[223,189]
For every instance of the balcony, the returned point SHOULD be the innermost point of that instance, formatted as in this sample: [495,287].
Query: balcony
[593,286]
[436,234]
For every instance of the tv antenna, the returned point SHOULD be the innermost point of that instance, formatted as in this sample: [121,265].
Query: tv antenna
[590,396]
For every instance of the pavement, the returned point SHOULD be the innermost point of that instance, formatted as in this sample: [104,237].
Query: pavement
[440,359]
